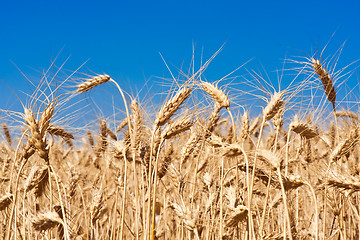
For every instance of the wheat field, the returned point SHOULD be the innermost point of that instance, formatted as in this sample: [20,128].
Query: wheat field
[196,166]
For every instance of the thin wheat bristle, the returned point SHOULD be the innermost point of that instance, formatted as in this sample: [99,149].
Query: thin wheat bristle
[326,80]
[216,94]
[93,82]
[274,106]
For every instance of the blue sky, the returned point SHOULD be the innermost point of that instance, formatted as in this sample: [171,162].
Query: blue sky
[124,38]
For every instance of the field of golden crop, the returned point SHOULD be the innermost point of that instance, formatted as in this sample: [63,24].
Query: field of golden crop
[197,167]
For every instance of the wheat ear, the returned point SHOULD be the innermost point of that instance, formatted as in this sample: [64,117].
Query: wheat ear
[172,106]
[7,133]
[303,129]
[93,82]
[46,221]
[326,80]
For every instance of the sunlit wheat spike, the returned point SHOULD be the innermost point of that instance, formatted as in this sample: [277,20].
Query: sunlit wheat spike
[292,182]
[136,124]
[38,180]
[254,126]
[343,181]
[237,215]
[172,106]
[216,94]
[5,201]
[326,80]
[45,118]
[190,146]
[303,129]
[278,120]
[343,147]
[274,159]
[232,150]
[122,125]
[111,133]
[93,82]
[61,132]
[46,221]
[347,114]
[274,106]
[165,164]
[74,178]
[37,139]
[245,127]
[97,208]
[7,133]
[90,137]
[178,126]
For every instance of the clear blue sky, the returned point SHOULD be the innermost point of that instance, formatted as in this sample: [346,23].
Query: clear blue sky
[124,38]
